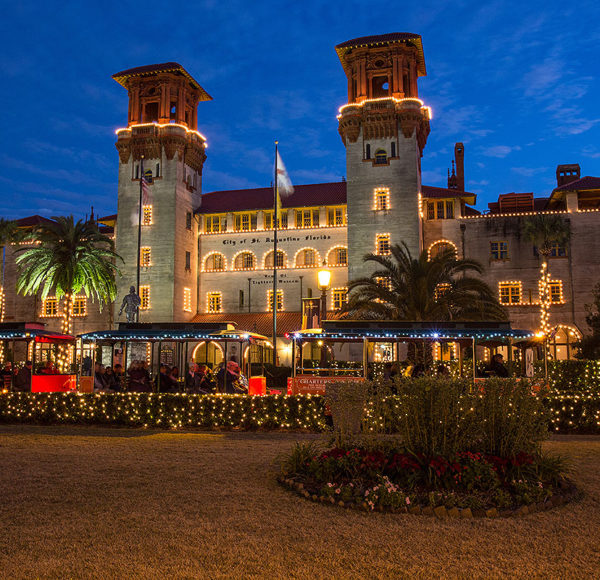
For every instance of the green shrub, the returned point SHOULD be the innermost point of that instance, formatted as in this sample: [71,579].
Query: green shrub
[510,418]
[432,416]
[572,376]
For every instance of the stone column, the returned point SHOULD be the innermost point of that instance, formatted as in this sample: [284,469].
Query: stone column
[163,110]
[180,105]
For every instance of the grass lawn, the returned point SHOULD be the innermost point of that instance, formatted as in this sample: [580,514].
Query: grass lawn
[81,502]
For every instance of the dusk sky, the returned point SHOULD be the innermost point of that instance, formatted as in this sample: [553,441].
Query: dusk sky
[516,82]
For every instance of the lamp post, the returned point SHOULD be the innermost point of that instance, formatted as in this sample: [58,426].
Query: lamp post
[323,281]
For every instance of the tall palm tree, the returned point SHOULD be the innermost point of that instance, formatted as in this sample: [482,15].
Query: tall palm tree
[68,257]
[422,289]
[545,231]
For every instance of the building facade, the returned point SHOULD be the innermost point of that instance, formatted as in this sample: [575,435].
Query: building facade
[209,256]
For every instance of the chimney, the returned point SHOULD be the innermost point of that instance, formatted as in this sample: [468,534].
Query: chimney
[567,173]
[459,155]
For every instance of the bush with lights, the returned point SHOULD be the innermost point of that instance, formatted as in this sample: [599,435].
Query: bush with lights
[433,444]
[572,376]
[166,410]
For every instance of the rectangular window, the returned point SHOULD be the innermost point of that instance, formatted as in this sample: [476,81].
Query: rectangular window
[187,299]
[439,210]
[340,298]
[241,299]
[147,215]
[558,251]
[510,292]
[244,222]
[188,220]
[336,216]
[382,244]
[440,290]
[80,306]
[499,251]
[430,210]
[384,281]
[556,292]
[214,301]
[382,199]
[282,219]
[188,261]
[307,218]
[145,297]
[145,257]
[279,300]
[50,307]
[215,223]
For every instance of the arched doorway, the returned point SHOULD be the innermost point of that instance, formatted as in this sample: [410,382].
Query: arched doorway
[208,353]
[562,345]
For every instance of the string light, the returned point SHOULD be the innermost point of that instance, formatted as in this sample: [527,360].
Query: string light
[315,261]
[187,299]
[214,255]
[569,413]
[161,125]
[214,302]
[2,309]
[545,299]
[382,244]
[443,242]
[145,297]
[382,100]
[381,199]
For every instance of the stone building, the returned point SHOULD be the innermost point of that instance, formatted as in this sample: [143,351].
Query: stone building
[209,256]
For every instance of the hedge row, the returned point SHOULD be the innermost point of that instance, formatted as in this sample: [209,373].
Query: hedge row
[570,413]
[571,376]
[165,410]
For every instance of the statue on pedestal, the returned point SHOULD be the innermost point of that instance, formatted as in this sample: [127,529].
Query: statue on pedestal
[131,304]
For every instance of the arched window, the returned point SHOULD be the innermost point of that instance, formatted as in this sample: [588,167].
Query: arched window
[440,247]
[244,261]
[306,258]
[214,262]
[281,261]
[562,345]
[380,157]
[337,257]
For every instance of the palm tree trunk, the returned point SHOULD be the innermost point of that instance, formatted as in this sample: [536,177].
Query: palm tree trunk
[66,351]
[545,299]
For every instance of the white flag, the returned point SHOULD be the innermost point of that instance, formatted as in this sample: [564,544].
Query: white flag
[284,183]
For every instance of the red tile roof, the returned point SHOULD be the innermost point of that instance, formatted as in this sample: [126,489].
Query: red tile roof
[33,220]
[149,69]
[584,183]
[471,211]
[260,322]
[430,192]
[517,203]
[388,38]
[262,197]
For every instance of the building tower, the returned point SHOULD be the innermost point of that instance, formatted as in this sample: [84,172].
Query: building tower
[384,128]
[162,133]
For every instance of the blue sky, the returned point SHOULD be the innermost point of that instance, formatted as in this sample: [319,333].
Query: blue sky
[516,82]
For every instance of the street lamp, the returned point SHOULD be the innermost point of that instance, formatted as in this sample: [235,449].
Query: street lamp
[323,281]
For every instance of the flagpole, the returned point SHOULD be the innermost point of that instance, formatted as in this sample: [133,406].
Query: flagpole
[139,244]
[275,217]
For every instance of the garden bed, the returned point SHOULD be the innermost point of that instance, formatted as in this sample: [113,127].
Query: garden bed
[469,485]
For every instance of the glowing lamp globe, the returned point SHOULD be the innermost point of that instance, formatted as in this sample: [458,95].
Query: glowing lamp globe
[324,279]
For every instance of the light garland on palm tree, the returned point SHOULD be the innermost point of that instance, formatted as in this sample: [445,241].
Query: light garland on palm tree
[545,299]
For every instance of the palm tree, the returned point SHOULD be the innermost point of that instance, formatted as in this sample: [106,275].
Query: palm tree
[422,289]
[68,257]
[546,231]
